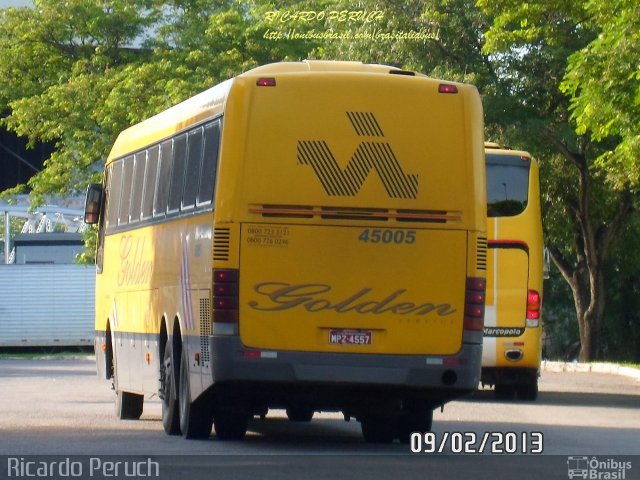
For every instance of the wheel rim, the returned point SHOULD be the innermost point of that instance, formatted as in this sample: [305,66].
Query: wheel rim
[170,407]
[184,397]
[167,377]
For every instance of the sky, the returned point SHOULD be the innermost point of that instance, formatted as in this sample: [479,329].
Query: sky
[15,3]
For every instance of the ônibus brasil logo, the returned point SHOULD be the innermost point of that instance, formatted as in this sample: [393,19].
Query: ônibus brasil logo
[596,468]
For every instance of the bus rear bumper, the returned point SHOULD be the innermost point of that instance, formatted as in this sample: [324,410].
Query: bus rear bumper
[509,375]
[458,374]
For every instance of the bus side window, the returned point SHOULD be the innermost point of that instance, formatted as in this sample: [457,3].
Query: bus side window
[113,195]
[138,186]
[164,179]
[125,197]
[194,160]
[209,163]
[177,176]
[150,178]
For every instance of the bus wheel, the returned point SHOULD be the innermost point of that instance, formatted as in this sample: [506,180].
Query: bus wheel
[503,391]
[299,414]
[378,429]
[196,418]
[170,415]
[230,425]
[128,405]
[528,391]
[415,420]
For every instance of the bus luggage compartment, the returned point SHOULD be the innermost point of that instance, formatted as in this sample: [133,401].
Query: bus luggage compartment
[351,289]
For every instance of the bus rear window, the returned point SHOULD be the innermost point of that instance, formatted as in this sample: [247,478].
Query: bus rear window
[507,185]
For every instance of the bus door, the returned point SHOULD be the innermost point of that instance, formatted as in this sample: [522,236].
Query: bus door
[506,313]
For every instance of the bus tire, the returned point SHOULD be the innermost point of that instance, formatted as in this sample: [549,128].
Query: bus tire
[170,407]
[528,391]
[415,420]
[504,391]
[195,417]
[128,405]
[230,425]
[378,429]
[297,414]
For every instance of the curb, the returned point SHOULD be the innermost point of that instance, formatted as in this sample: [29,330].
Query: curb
[546,365]
[91,358]
[590,367]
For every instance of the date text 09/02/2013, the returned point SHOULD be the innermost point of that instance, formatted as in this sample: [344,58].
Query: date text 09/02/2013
[472,442]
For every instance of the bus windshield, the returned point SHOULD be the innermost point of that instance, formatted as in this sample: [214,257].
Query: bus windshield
[507,185]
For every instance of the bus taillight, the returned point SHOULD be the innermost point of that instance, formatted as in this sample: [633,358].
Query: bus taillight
[266,82]
[474,304]
[225,296]
[533,308]
[447,88]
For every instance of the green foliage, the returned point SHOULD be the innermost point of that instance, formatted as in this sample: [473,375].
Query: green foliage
[622,326]
[531,43]
[449,45]
[603,80]
[61,65]
[90,238]
[79,73]
[535,43]
[561,336]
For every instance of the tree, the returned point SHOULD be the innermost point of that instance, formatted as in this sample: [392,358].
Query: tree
[78,74]
[59,67]
[583,214]
[603,81]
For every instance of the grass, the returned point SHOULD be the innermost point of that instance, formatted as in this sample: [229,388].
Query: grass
[632,365]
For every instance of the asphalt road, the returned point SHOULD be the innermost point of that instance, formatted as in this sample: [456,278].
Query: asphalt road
[60,408]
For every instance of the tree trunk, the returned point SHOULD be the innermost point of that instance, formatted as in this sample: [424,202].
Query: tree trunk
[588,313]
[592,242]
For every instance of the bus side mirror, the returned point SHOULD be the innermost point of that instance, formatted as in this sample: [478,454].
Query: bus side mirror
[93,204]
[546,264]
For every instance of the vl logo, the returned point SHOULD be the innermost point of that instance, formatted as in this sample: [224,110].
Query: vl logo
[376,155]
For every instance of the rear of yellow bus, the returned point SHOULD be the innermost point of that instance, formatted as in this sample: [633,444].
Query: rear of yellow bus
[349,245]
[513,325]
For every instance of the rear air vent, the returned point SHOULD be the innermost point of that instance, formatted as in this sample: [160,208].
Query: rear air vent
[221,241]
[283,211]
[353,213]
[205,329]
[481,253]
[430,216]
[408,73]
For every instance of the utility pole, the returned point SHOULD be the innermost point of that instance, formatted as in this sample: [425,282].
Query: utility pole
[7,237]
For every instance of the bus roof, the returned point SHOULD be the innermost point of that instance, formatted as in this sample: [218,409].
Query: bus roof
[325,66]
[496,149]
[207,104]
[211,102]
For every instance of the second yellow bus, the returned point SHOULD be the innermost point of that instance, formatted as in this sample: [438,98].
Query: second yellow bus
[513,324]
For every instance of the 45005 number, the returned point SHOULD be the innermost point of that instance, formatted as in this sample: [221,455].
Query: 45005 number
[377,235]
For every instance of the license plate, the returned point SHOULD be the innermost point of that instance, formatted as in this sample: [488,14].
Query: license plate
[350,337]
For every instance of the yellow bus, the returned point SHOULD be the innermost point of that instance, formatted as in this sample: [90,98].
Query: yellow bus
[513,326]
[307,236]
